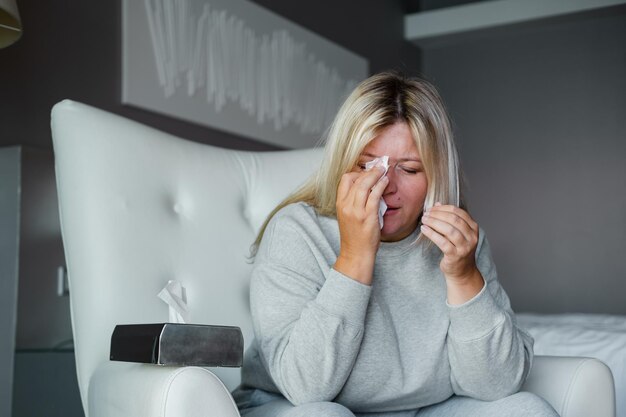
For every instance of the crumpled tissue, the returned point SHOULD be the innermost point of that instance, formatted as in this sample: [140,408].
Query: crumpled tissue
[173,295]
[384,162]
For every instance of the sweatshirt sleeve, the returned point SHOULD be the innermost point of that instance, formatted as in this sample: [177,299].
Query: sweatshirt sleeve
[308,319]
[490,356]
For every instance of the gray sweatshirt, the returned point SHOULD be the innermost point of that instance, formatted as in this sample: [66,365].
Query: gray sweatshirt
[394,345]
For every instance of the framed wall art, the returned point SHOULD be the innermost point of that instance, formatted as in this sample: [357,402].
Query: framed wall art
[235,66]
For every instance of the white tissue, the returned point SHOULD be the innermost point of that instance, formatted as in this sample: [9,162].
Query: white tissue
[384,162]
[172,295]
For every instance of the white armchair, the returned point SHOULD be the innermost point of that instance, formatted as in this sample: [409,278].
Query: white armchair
[140,207]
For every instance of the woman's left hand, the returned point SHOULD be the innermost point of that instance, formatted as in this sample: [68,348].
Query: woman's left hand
[456,234]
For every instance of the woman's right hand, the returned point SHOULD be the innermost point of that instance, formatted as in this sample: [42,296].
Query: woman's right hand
[358,198]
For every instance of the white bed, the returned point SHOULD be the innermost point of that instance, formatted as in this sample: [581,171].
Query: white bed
[591,335]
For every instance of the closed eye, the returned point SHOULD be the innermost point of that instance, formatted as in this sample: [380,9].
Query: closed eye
[409,170]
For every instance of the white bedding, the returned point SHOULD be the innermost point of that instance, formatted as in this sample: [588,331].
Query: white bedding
[592,335]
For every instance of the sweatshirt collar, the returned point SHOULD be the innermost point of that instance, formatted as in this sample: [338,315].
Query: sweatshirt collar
[391,249]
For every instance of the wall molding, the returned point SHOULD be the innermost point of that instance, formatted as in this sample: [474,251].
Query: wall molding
[424,28]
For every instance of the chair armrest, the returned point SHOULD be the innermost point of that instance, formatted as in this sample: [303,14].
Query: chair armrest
[575,387]
[119,389]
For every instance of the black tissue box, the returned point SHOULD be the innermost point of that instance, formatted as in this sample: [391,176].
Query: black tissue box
[178,344]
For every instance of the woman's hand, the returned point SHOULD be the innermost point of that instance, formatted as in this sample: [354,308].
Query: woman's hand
[456,234]
[358,198]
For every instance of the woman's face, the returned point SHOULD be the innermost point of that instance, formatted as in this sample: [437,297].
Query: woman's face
[406,191]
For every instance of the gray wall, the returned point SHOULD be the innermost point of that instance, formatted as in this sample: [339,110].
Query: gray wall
[71,49]
[540,115]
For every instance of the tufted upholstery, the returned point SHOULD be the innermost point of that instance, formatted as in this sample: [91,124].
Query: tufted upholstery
[143,207]
[140,207]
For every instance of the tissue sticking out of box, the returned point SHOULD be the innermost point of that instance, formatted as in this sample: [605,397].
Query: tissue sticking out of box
[173,295]
[384,162]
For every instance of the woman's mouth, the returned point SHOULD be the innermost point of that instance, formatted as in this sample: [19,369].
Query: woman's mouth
[391,210]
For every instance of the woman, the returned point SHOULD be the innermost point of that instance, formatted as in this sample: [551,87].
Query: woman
[397,316]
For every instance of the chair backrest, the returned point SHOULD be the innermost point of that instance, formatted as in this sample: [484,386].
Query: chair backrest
[140,207]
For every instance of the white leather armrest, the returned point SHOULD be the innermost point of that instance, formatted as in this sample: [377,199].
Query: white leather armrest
[575,387]
[120,389]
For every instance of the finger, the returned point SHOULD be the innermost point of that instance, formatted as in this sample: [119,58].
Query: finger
[442,243]
[438,207]
[457,211]
[370,177]
[458,223]
[363,185]
[447,230]
[346,182]
[373,201]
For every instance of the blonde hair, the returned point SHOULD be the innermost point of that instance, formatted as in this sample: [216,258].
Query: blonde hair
[376,103]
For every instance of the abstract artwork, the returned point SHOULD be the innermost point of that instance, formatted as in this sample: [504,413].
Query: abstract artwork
[235,66]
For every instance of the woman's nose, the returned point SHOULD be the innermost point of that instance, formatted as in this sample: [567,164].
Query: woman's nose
[392,185]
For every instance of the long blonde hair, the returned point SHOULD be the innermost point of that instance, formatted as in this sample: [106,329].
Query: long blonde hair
[377,102]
